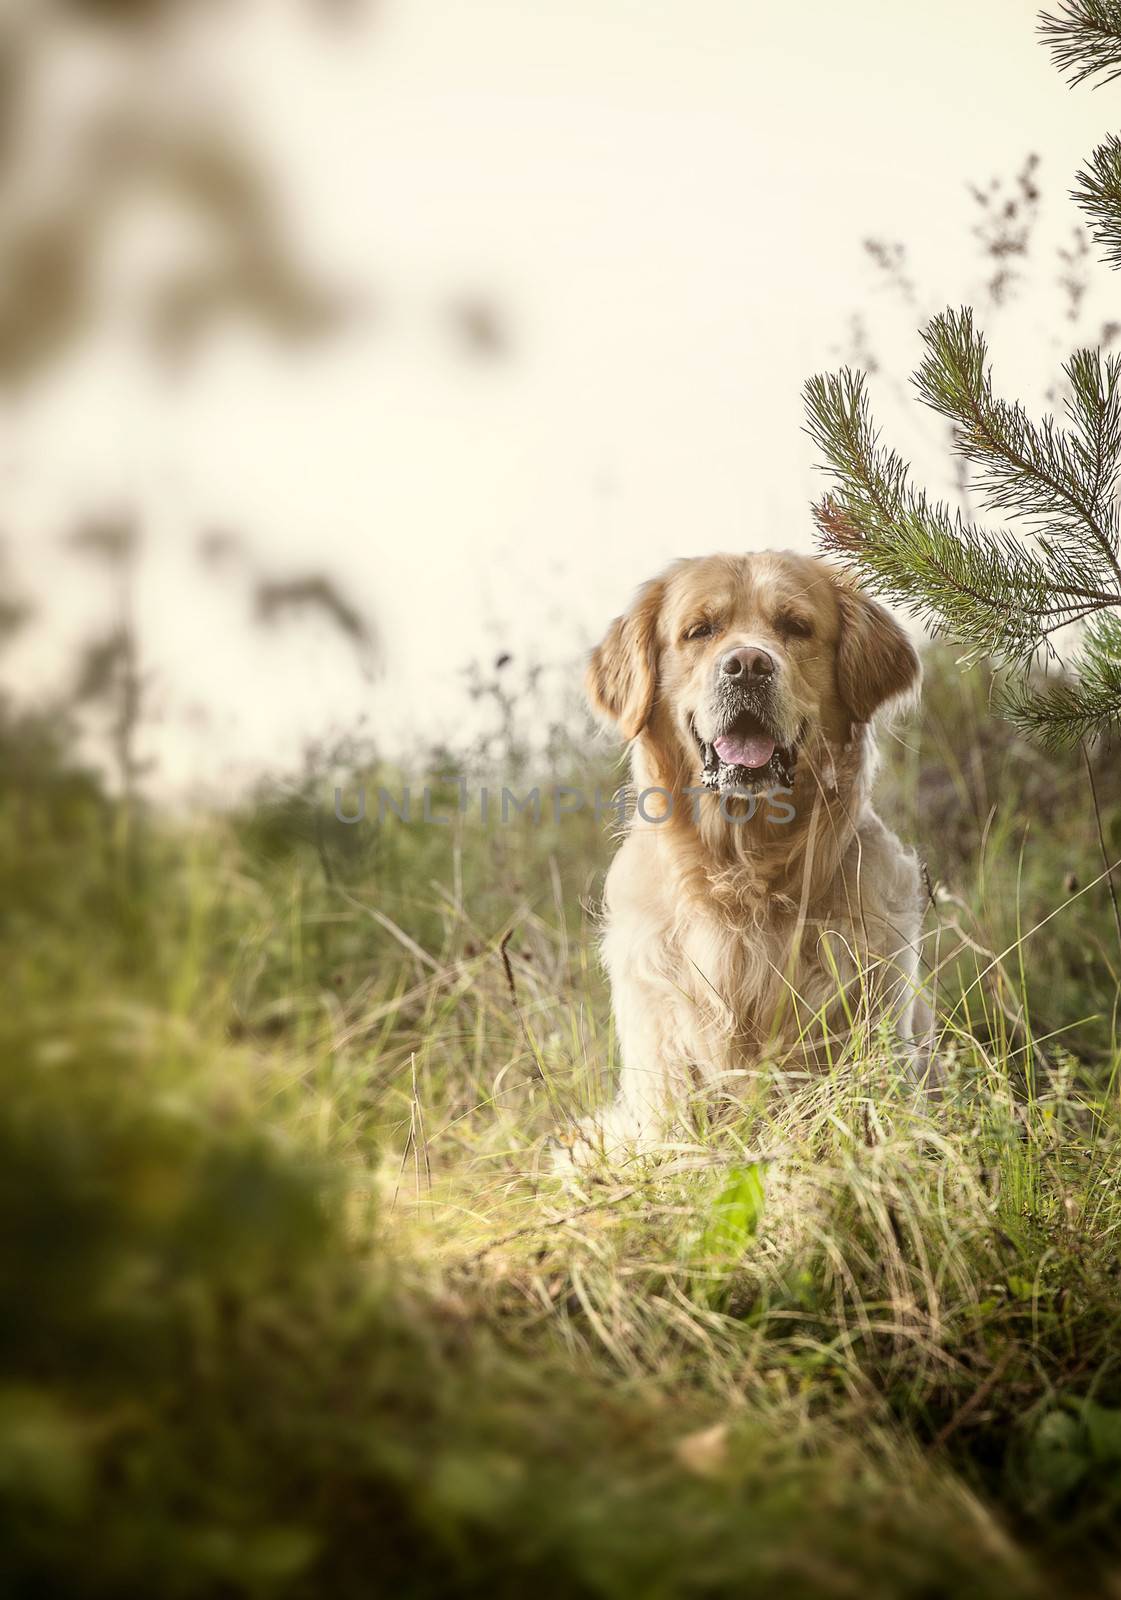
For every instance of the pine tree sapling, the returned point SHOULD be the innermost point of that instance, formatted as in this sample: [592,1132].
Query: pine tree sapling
[1049,559]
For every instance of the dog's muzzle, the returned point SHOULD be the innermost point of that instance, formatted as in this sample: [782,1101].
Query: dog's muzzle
[747,752]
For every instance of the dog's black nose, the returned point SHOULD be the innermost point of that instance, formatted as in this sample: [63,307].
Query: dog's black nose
[748,663]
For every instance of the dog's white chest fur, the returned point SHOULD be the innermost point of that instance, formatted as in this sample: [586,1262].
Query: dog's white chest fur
[704,996]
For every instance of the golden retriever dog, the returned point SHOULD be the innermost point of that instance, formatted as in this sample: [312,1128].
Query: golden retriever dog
[758,909]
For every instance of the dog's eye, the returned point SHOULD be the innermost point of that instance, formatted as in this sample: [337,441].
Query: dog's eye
[793,626]
[700,630]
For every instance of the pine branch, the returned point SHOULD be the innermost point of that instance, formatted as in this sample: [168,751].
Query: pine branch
[1099,195]
[1072,709]
[1084,38]
[983,587]
[1058,484]
[1094,410]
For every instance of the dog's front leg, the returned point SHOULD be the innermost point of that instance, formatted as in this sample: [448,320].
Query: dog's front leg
[654,1077]
[651,1023]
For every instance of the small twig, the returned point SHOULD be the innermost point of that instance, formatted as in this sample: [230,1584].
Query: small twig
[1101,842]
[508,969]
[548,1223]
[513,988]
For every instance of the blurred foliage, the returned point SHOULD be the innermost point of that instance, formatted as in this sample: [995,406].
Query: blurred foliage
[223,1373]
[276,598]
[133,146]
[208,1391]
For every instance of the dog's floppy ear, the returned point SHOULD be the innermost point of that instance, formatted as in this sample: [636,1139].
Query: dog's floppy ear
[623,671]
[876,662]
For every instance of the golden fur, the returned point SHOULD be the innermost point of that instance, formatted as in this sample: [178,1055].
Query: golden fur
[734,937]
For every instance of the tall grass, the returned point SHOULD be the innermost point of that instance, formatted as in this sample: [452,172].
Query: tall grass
[294,1304]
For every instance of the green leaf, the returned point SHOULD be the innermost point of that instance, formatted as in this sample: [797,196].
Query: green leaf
[43,1455]
[1103,1430]
[735,1216]
[1058,1458]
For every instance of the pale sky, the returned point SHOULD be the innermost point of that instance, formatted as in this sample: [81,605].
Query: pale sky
[666,199]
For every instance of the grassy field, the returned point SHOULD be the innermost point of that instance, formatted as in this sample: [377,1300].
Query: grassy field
[292,1303]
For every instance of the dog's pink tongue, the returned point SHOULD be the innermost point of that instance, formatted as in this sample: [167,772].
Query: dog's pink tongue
[754,751]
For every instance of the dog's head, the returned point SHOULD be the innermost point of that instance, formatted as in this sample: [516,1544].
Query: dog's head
[731,667]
